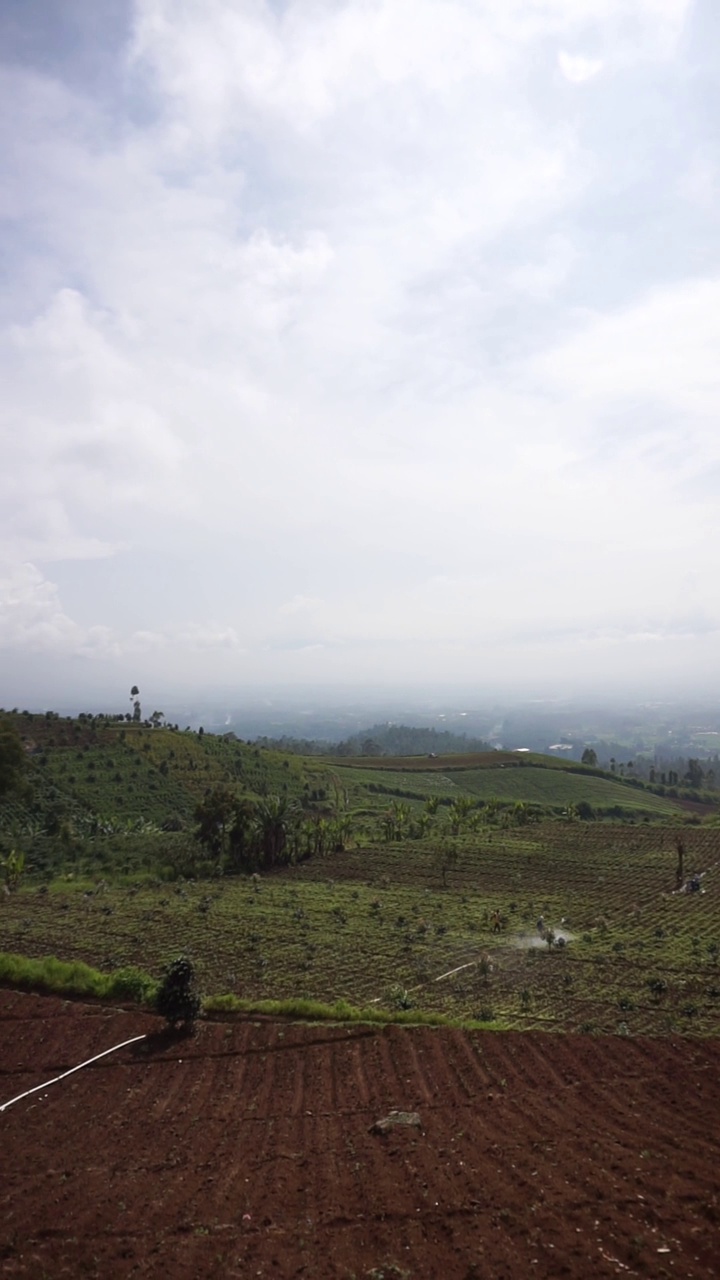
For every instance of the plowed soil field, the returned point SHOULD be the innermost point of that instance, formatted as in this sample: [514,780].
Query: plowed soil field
[247,1151]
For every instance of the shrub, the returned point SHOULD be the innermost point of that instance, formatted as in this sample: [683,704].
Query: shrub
[130,984]
[177,1001]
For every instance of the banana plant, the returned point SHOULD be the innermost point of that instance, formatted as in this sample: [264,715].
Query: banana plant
[13,866]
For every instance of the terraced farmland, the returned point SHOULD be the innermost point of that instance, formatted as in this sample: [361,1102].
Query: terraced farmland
[376,925]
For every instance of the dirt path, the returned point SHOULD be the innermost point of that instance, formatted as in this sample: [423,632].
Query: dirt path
[247,1152]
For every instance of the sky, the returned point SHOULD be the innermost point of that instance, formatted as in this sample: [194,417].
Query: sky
[359,341]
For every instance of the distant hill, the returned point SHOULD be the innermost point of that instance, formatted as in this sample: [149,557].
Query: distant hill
[383,740]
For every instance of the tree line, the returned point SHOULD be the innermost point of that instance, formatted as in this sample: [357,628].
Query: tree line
[254,835]
[381,740]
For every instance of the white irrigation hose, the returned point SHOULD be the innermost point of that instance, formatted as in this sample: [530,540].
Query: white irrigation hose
[80,1065]
[449,974]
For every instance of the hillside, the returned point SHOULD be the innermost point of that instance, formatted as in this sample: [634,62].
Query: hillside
[88,771]
[405,884]
[131,771]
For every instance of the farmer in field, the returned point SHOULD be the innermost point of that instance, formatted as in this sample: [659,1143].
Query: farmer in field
[541,926]
[496,922]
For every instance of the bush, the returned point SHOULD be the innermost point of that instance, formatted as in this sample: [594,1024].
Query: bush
[177,1001]
[130,984]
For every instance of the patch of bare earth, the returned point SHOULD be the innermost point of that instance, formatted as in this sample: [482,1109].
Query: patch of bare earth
[248,1150]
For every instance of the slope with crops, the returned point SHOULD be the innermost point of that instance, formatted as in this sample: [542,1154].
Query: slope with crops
[406,885]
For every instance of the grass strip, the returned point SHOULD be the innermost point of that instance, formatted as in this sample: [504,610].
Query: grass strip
[339,1011]
[74,978]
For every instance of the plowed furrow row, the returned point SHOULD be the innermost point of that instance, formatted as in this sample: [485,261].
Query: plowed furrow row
[435,1062]
[247,1150]
[350,1076]
[169,1082]
[388,1088]
[467,1059]
[410,1068]
[532,1065]
[230,1177]
[258,1088]
[275,1176]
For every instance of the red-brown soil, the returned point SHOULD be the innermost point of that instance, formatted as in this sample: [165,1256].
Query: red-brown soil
[245,1151]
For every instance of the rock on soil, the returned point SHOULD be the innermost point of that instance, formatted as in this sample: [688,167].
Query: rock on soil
[408,1119]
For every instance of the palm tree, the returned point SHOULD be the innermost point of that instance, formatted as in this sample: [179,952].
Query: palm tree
[422,824]
[339,829]
[492,807]
[242,835]
[313,834]
[394,820]
[275,817]
[460,810]
[215,814]
[520,812]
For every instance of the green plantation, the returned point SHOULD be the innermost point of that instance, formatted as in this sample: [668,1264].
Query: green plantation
[409,888]
[542,784]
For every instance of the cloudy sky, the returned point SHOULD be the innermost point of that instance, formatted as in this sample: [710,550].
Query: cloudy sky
[359,340]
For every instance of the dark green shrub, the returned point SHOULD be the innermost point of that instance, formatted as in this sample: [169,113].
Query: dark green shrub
[177,1001]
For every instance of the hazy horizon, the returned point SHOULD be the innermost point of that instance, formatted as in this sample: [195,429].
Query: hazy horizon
[424,703]
[359,344]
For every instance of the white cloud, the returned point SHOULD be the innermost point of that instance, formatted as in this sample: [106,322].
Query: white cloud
[543,277]
[698,182]
[331,308]
[80,437]
[578,69]
[227,65]
[300,604]
[662,348]
[32,618]
[232,63]
[208,636]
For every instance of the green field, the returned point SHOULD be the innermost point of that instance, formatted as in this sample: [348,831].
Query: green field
[114,876]
[533,784]
[376,925]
